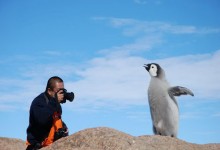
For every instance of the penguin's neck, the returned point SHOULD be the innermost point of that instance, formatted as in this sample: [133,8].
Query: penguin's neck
[162,75]
[161,79]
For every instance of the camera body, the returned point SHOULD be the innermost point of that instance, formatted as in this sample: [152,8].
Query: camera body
[67,95]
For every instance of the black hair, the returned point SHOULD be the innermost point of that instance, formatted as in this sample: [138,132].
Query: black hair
[51,82]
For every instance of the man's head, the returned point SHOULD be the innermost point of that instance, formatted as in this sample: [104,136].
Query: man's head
[54,84]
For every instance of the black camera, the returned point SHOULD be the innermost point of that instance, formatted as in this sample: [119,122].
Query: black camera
[67,95]
[60,133]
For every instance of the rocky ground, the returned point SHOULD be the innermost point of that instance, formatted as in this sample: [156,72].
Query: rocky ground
[11,144]
[103,138]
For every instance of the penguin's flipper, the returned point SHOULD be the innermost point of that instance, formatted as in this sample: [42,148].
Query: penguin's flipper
[178,90]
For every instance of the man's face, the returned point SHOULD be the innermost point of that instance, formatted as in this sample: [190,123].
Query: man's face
[58,86]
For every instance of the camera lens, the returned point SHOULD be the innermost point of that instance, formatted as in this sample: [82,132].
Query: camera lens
[69,96]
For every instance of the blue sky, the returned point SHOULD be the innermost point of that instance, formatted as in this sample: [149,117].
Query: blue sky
[99,47]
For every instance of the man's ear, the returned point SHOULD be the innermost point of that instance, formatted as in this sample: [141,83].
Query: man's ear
[50,91]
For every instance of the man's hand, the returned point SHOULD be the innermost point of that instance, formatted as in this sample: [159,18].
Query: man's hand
[60,96]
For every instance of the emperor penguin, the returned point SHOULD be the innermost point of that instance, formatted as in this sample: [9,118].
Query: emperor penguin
[163,104]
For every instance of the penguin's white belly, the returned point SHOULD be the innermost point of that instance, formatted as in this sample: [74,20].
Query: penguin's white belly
[171,119]
[164,111]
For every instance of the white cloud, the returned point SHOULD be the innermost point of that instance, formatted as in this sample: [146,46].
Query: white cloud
[7,107]
[198,72]
[144,2]
[140,1]
[112,80]
[53,53]
[117,77]
[217,115]
[133,27]
[139,45]
[118,80]
[191,115]
[124,80]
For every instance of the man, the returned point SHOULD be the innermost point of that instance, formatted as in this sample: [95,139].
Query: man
[45,113]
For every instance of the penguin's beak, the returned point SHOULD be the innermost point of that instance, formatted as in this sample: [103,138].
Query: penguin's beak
[147,66]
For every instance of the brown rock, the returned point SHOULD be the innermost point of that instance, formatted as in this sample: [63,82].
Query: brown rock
[110,139]
[103,138]
[11,144]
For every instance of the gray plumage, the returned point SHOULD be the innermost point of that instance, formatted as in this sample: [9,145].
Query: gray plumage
[163,105]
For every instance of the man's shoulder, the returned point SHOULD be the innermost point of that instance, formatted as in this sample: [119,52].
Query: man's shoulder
[40,99]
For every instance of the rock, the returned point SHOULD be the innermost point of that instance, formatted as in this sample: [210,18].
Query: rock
[103,138]
[11,144]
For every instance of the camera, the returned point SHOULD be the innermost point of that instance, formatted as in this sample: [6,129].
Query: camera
[60,133]
[67,95]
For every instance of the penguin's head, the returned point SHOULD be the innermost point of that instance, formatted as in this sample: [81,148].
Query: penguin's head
[153,69]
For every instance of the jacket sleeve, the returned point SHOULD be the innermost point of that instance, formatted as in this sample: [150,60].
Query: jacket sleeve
[43,112]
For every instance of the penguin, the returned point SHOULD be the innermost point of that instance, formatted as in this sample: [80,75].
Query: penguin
[162,102]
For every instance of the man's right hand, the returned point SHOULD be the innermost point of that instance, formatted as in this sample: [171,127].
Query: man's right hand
[60,96]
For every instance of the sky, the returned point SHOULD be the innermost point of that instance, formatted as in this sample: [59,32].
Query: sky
[99,47]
